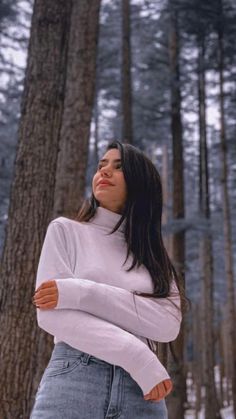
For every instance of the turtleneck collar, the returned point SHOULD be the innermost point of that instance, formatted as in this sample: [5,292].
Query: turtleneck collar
[108,219]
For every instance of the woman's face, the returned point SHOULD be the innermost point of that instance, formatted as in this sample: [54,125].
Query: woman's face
[109,187]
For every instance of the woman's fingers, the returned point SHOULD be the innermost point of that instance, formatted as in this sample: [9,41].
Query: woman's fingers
[168,386]
[46,291]
[51,304]
[46,296]
[45,299]
[160,391]
[47,284]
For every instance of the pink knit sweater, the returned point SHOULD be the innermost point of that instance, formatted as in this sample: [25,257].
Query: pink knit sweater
[97,312]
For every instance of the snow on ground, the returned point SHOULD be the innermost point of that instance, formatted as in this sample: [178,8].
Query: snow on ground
[226,411]
[190,414]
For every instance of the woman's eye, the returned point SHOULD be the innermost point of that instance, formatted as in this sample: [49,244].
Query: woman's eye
[118,166]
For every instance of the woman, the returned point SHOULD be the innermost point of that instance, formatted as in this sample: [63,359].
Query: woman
[106,289]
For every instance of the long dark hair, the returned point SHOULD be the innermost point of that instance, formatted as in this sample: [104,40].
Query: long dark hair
[143,213]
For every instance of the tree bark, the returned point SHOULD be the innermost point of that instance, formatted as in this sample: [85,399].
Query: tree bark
[78,106]
[24,348]
[166,196]
[227,217]
[178,397]
[206,257]
[197,356]
[162,348]
[127,130]
[96,128]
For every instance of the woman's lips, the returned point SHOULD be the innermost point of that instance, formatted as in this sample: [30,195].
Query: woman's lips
[104,184]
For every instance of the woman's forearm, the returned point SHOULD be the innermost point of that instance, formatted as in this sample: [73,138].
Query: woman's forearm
[106,341]
[157,319]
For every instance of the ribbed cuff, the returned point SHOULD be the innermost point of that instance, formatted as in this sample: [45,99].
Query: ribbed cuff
[150,375]
[68,294]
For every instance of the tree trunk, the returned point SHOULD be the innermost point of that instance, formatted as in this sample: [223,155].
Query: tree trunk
[197,356]
[206,257]
[227,219]
[24,348]
[96,128]
[166,196]
[162,348]
[127,130]
[177,398]
[78,106]
[225,350]
[211,405]
[222,364]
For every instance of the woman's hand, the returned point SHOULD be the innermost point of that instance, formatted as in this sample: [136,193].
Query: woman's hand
[46,296]
[160,391]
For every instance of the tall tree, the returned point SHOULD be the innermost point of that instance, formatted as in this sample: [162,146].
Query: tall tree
[31,205]
[11,85]
[78,105]
[177,398]
[206,256]
[231,317]
[127,130]
[162,348]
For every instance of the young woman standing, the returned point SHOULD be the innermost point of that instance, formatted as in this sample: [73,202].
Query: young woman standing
[106,290]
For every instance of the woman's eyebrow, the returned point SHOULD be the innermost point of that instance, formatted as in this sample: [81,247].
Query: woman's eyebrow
[106,160]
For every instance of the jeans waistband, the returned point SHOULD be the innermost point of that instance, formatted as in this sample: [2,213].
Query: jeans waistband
[63,349]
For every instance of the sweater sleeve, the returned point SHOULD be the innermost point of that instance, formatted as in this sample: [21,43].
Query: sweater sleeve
[87,332]
[157,319]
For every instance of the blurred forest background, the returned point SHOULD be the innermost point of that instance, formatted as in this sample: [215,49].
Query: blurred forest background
[75,74]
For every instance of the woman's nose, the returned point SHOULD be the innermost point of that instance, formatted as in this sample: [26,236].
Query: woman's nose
[106,170]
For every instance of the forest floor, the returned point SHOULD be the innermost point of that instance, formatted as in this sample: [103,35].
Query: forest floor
[226,412]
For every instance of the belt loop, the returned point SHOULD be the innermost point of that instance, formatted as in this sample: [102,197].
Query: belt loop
[85,358]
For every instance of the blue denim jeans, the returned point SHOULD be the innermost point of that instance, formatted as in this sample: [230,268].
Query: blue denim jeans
[76,385]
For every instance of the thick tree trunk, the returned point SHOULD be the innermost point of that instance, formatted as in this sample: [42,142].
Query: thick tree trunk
[210,402]
[177,398]
[78,106]
[227,221]
[24,350]
[127,130]
[206,257]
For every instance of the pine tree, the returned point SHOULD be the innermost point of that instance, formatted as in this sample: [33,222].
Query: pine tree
[23,348]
